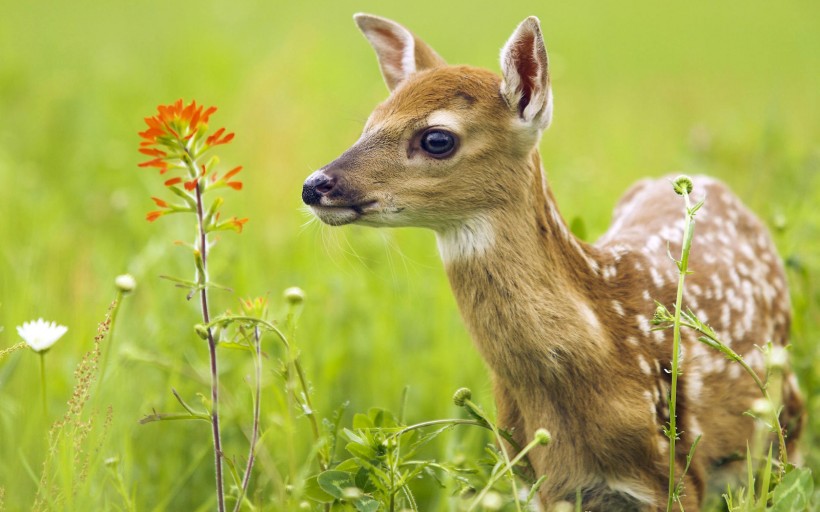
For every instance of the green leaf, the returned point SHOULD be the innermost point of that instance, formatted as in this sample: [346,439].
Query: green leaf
[382,418]
[314,491]
[366,504]
[794,492]
[361,451]
[361,421]
[353,437]
[363,481]
[335,482]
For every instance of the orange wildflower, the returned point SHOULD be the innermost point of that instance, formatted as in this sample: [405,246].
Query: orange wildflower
[238,224]
[175,139]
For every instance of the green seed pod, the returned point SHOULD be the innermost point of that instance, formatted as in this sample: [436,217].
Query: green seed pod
[461,396]
[683,184]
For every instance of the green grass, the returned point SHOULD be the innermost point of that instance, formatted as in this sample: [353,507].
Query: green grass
[641,90]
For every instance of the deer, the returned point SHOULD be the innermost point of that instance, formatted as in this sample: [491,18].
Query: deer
[564,326]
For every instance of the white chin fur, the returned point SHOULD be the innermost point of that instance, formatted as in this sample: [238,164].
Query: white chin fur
[335,215]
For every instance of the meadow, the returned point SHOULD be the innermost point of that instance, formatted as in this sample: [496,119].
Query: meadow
[725,89]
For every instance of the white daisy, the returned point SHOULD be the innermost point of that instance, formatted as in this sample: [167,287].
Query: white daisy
[41,335]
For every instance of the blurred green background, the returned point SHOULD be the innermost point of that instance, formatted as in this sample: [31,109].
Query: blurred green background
[642,89]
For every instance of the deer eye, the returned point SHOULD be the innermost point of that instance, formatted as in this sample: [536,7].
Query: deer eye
[438,143]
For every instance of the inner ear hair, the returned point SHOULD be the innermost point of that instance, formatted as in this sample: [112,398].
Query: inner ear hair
[525,67]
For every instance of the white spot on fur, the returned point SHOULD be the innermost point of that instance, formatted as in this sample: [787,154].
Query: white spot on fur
[619,309]
[657,279]
[647,296]
[694,386]
[663,446]
[634,489]
[653,243]
[659,336]
[725,314]
[718,286]
[644,364]
[694,427]
[632,340]
[650,399]
[590,316]
[471,239]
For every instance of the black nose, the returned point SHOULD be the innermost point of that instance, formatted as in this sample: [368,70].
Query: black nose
[317,186]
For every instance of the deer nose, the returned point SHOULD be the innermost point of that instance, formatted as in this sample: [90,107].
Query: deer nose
[317,186]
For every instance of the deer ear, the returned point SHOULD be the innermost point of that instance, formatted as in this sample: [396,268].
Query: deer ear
[525,68]
[400,53]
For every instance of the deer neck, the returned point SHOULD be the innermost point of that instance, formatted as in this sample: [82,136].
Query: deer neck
[522,283]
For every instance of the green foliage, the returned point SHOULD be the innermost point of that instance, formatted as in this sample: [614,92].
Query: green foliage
[384,461]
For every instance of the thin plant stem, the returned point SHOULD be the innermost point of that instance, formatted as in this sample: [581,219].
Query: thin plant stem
[710,339]
[509,464]
[432,423]
[202,275]
[307,406]
[293,357]
[688,228]
[43,384]
[257,363]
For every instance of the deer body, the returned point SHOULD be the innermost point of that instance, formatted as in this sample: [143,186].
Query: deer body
[564,326]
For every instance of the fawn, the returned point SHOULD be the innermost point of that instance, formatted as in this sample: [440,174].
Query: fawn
[564,326]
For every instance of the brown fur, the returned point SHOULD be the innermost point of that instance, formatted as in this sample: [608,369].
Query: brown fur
[563,325]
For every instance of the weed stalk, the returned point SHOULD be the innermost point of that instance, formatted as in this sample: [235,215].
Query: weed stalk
[683,186]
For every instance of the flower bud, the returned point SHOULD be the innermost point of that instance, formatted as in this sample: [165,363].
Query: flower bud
[683,184]
[762,408]
[543,436]
[492,501]
[201,331]
[294,295]
[778,358]
[125,283]
[661,315]
[461,396]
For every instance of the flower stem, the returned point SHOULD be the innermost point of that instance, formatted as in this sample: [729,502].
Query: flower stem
[257,363]
[202,277]
[43,384]
[683,264]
